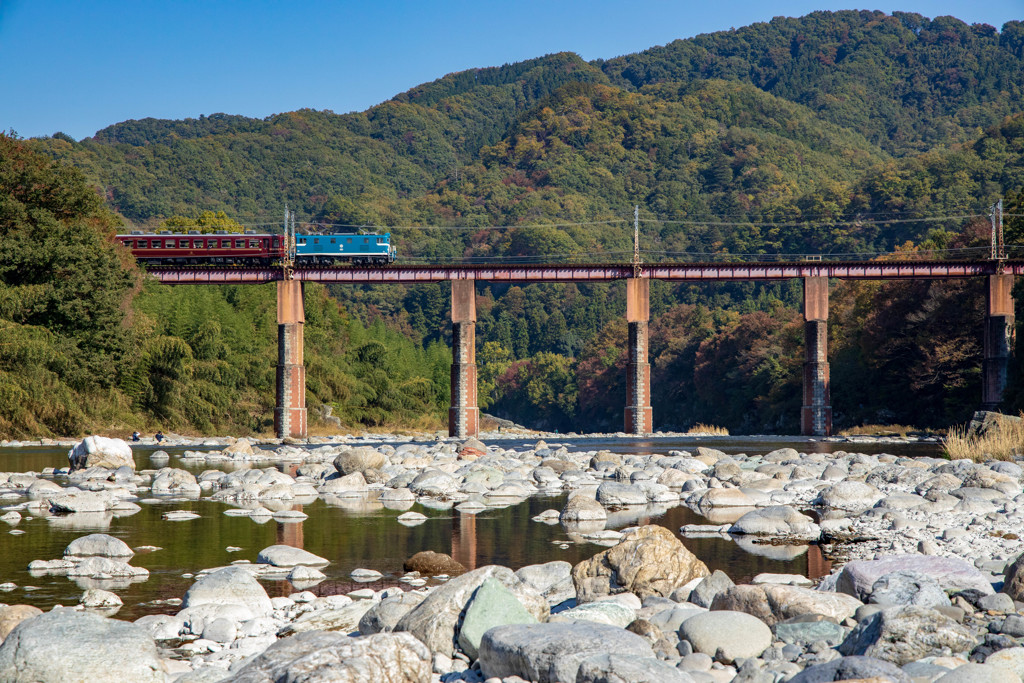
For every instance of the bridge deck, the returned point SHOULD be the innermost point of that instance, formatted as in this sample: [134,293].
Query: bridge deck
[679,272]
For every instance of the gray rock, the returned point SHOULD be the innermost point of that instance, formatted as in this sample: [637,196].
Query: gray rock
[76,500]
[582,508]
[99,451]
[175,481]
[316,656]
[905,634]
[620,495]
[360,459]
[230,586]
[101,545]
[601,612]
[383,616]
[99,599]
[979,673]
[553,580]
[220,631]
[434,483]
[908,587]
[953,574]
[807,630]
[852,668]
[344,619]
[779,521]
[710,586]
[849,495]
[435,621]
[727,636]
[613,668]
[999,602]
[1010,659]
[772,603]
[71,645]
[492,605]
[552,653]
[288,556]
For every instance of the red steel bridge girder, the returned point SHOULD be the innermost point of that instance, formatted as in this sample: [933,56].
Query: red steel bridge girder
[688,272]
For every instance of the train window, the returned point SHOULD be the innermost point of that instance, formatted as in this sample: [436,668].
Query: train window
[334,241]
[380,240]
[302,242]
[366,240]
[212,244]
[276,240]
[348,240]
[254,244]
[129,244]
[225,244]
[170,244]
[157,244]
[239,244]
[143,244]
[316,240]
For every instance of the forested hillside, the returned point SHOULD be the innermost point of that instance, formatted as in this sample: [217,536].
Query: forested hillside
[835,133]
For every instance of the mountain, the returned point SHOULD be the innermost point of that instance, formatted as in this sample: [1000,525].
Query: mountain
[837,132]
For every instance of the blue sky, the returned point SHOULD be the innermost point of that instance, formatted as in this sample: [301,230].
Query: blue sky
[79,65]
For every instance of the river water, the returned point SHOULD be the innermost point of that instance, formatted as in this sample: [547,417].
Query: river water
[355,533]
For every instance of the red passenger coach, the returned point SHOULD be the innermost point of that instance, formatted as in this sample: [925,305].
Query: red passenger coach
[220,248]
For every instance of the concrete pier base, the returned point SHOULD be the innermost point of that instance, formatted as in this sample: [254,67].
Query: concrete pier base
[290,406]
[816,412]
[463,415]
[999,340]
[639,417]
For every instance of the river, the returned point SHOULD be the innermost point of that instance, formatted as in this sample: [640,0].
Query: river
[356,533]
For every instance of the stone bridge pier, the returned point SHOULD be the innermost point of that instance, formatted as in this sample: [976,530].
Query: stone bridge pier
[290,407]
[463,415]
[816,413]
[999,340]
[639,417]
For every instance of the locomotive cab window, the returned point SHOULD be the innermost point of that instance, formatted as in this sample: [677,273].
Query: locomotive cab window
[380,240]
[302,242]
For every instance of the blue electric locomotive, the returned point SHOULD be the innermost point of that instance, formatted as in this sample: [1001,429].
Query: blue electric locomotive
[327,250]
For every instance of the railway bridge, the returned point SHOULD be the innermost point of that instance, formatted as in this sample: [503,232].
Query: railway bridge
[463,414]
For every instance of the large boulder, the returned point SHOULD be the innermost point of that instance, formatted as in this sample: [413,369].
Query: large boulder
[492,605]
[361,459]
[553,653]
[289,556]
[772,603]
[953,574]
[99,451]
[777,521]
[437,619]
[382,616]
[726,636]
[649,560]
[173,481]
[97,545]
[434,483]
[431,563]
[611,494]
[71,500]
[345,619]
[849,495]
[69,645]
[582,508]
[905,634]
[335,657]
[230,586]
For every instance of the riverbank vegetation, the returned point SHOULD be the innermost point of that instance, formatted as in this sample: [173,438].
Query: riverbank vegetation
[1003,441]
[845,133]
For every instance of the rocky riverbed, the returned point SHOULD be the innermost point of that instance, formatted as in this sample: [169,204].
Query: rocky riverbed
[926,585]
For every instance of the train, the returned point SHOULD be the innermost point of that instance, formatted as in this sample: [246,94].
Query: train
[166,248]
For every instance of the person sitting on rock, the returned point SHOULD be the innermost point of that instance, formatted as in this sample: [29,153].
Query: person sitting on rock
[159,436]
[135,436]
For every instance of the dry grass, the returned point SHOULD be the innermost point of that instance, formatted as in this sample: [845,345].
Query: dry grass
[879,430]
[997,444]
[701,429]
